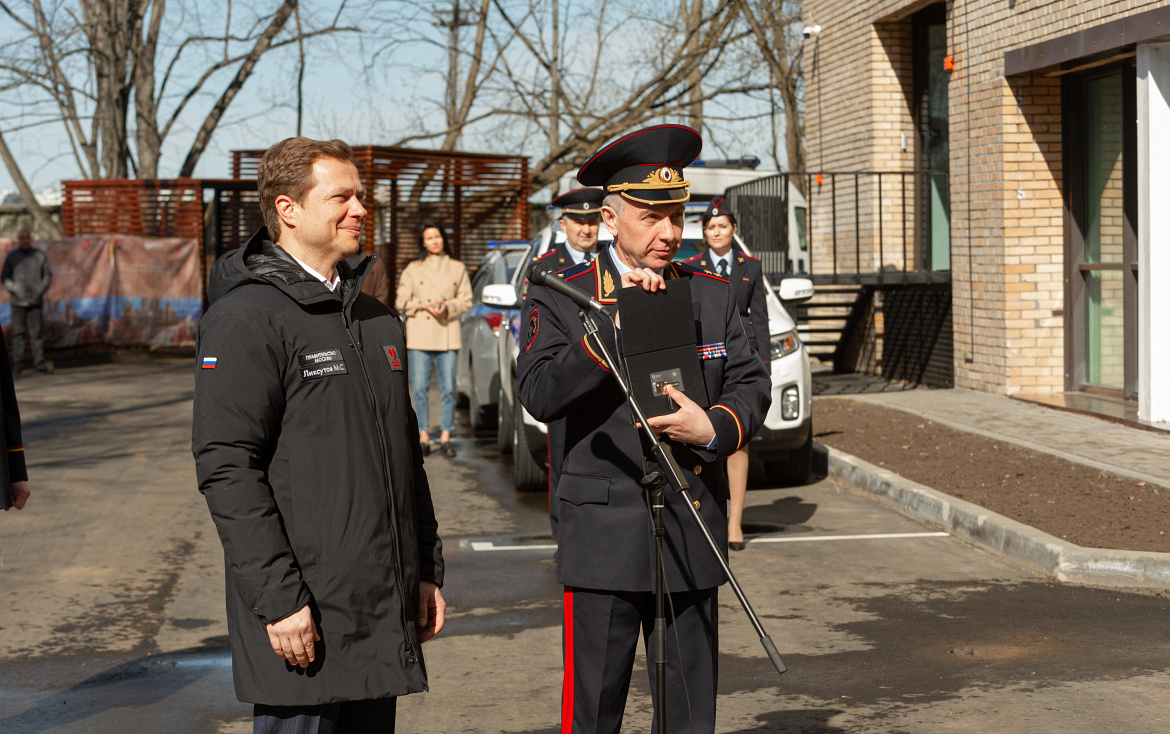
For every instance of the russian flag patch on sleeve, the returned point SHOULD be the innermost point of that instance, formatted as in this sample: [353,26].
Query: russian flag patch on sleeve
[209,362]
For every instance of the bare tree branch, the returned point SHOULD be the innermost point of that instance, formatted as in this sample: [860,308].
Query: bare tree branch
[40,216]
[203,136]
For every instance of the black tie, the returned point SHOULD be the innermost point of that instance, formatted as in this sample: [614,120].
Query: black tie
[722,268]
[588,257]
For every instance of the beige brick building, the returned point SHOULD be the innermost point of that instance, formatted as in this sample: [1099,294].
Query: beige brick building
[1045,127]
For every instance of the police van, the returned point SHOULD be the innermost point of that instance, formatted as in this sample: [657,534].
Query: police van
[783,444]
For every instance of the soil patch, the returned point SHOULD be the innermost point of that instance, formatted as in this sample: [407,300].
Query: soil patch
[1071,501]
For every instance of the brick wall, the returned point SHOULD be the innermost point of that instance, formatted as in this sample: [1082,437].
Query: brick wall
[1007,246]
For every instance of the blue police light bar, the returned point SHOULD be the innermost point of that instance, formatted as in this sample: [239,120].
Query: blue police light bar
[505,243]
[749,162]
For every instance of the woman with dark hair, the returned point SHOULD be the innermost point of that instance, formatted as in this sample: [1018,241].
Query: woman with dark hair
[433,292]
[746,278]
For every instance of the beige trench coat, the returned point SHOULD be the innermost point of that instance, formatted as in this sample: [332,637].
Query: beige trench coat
[423,282]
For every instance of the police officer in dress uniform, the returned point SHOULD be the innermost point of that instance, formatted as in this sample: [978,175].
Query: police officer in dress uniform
[579,220]
[724,258]
[744,272]
[602,525]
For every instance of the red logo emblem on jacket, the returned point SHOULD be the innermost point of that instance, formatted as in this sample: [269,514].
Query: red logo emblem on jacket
[392,356]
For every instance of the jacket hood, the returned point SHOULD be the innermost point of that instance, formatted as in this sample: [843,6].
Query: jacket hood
[262,261]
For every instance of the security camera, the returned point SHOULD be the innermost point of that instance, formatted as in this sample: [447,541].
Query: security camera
[810,31]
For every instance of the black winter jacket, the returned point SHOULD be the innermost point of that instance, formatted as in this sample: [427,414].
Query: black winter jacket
[306,448]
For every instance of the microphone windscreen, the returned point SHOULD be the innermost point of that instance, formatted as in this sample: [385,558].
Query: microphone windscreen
[538,273]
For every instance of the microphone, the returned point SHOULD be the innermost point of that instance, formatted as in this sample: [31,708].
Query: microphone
[542,274]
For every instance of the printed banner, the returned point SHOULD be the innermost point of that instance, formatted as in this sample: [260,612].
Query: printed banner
[117,289]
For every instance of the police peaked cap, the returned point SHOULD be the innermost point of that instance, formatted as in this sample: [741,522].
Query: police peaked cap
[580,202]
[718,208]
[647,165]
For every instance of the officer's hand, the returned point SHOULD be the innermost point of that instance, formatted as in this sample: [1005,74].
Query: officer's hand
[645,277]
[292,638]
[432,610]
[20,493]
[688,424]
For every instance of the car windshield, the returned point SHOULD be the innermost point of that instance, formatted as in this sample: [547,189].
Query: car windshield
[512,260]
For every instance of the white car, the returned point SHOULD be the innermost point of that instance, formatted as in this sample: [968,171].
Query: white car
[784,443]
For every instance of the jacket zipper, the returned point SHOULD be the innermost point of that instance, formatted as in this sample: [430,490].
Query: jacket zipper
[371,395]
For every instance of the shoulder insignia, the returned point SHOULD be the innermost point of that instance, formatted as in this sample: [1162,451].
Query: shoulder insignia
[576,270]
[693,258]
[689,270]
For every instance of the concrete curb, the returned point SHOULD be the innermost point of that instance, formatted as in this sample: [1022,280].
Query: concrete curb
[1015,541]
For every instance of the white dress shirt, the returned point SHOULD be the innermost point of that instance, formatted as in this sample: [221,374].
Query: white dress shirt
[332,285]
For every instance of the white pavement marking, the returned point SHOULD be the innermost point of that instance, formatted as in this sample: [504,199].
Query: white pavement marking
[875,536]
[487,545]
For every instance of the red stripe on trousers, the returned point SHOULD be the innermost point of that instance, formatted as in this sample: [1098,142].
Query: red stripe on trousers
[567,685]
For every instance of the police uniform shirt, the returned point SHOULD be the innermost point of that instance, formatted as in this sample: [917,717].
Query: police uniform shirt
[724,261]
[578,256]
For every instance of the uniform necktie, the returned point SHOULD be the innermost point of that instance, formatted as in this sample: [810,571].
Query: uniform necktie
[722,268]
[588,257]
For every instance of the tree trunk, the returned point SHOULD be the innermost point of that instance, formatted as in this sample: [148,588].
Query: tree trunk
[694,18]
[145,105]
[105,28]
[554,102]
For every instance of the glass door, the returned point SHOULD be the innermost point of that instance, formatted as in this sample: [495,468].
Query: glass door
[1102,246]
[932,109]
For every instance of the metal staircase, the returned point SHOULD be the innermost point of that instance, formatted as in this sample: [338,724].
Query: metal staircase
[827,316]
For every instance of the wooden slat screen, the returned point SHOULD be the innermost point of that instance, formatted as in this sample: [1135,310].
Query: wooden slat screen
[482,198]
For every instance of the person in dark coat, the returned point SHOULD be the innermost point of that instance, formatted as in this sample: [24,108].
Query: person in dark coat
[724,257]
[304,443]
[26,276]
[605,552]
[580,219]
[14,490]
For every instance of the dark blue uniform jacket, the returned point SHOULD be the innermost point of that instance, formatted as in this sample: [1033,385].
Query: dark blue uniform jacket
[598,509]
[747,283]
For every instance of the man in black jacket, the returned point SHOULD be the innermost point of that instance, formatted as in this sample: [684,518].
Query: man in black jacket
[304,441]
[26,277]
[605,553]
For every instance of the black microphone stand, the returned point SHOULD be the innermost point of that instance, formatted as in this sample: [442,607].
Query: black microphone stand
[655,483]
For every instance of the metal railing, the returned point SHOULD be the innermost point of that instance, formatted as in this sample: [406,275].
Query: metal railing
[851,226]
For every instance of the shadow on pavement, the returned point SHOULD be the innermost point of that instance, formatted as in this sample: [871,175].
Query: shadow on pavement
[135,684]
[804,721]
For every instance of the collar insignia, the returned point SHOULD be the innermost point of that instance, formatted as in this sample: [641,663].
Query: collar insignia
[607,285]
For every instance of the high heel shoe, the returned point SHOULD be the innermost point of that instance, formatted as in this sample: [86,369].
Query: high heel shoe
[736,545]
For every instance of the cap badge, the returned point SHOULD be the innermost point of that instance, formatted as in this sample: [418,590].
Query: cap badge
[585,205]
[714,211]
[663,175]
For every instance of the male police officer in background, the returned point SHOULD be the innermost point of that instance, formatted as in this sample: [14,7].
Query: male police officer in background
[605,551]
[307,453]
[580,218]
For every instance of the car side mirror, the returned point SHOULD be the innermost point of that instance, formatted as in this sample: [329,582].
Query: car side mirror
[499,295]
[795,290]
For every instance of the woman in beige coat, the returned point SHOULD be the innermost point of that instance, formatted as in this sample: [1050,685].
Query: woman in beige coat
[432,293]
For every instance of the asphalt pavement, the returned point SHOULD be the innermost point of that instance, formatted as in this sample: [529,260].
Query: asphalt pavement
[111,601]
